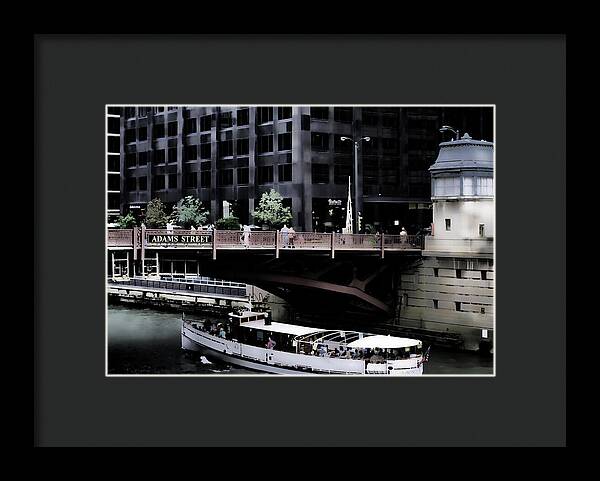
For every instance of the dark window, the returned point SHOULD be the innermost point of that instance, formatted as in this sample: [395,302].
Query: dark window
[319,141]
[342,146]
[205,178]
[341,172]
[459,273]
[265,174]
[389,120]
[114,144]
[225,177]
[284,112]
[285,172]
[114,163]
[225,148]
[159,156]
[205,151]
[172,155]
[172,181]
[131,184]
[390,144]
[243,146]
[265,144]
[129,112]
[369,117]
[142,134]
[448,224]
[484,275]
[114,182]
[205,165]
[171,107]
[436,271]
[242,176]
[190,180]
[130,160]
[129,136]
[305,122]
[172,129]
[143,183]
[159,131]
[320,173]
[114,110]
[143,111]
[114,125]
[285,142]
[457,305]
[226,120]
[191,152]
[435,303]
[158,110]
[243,116]
[342,114]
[190,126]
[142,158]
[319,113]
[205,123]
[371,146]
[158,182]
[264,114]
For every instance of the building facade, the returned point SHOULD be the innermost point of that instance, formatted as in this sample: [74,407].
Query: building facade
[233,154]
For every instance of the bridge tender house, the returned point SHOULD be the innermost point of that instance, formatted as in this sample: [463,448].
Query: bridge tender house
[179,239]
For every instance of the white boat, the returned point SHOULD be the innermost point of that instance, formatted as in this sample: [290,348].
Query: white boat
[249,339]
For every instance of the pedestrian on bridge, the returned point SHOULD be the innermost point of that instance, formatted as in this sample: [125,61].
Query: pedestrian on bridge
[285,235]
[403,235]
[246,236]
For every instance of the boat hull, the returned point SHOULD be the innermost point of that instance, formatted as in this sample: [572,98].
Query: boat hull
[230,352]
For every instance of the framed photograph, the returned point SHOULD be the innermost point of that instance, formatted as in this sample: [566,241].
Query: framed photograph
[272,244]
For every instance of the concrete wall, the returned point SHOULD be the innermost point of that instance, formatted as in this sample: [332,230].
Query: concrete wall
[432,288]
[465,215]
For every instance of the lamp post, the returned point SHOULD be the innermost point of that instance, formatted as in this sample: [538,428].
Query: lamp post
[356,143]
[447,127]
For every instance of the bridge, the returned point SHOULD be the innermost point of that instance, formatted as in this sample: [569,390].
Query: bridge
[215,240]
[354,274]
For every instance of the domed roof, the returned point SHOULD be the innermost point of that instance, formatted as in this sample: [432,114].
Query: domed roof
[465,153]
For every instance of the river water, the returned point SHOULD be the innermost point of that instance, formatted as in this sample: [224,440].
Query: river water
[147,341]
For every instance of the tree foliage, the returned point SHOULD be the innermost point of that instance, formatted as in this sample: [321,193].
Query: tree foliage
[156,217]
[230,223]
[126,222]
[188,212]
[271,211]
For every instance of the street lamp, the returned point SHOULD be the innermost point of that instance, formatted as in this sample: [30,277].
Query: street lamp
[356,143]
[447,127]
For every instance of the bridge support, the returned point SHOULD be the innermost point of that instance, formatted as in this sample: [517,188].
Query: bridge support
[382,245]
[277,244]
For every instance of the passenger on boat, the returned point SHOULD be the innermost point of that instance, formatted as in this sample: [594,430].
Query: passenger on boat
[207,325]
[271,343]
[222,333]
[377,357]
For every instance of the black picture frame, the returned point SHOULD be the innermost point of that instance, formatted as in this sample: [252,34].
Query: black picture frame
[76,76]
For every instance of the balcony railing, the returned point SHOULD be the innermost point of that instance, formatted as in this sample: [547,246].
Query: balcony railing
[226,239]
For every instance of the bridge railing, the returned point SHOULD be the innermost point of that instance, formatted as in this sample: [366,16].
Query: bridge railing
[357,241]
[403,242]
[226,239]
[305,240]
[120,237]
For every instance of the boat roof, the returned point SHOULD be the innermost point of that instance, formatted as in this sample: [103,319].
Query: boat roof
[384,342]
[280,327]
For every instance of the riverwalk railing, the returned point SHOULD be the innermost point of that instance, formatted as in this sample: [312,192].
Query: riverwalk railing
[200,286]
[275,240]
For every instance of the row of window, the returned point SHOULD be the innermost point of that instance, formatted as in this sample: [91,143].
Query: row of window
[264,175]
[320,143]
[471,186]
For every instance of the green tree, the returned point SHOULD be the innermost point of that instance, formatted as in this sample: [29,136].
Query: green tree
[126,222]
[156,217]
[188,212]
[230,223]
[271,211]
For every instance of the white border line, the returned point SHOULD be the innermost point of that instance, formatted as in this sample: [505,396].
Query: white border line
[273,376]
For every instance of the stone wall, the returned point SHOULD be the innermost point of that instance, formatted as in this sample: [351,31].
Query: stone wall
[452,294]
